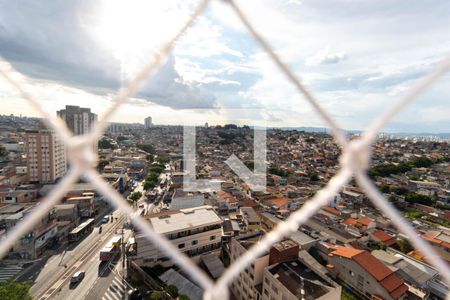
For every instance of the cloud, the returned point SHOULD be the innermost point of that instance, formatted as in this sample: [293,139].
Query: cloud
[324,57]
[60,49]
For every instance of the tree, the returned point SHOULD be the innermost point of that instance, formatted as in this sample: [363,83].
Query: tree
[149,185]
[412,197]
[3,151]
[13,290]
[384,188]
[156,295]
[105,144]
[156,169]
[135,196]
[405,246]
[102,163]
[314,177]
[183,297]
[163,160]
[146,147]
[172,290]
[250,164]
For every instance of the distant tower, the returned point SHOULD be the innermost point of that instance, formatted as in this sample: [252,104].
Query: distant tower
[78,119]
[148,122]
[206,125]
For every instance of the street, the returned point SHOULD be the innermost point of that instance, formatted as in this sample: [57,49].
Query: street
[52,279]
[50,276]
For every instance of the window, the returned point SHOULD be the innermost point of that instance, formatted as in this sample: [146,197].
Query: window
[194,242]
[266,292]
[212,238]
[274,289]
[181,246]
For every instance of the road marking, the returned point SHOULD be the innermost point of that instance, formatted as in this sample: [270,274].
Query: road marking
[58,282]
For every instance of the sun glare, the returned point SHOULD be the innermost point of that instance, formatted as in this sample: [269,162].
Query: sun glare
[133,29]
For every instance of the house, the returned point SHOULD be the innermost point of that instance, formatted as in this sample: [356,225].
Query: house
[280,203]
[251,219]
[365,274]
[380,236]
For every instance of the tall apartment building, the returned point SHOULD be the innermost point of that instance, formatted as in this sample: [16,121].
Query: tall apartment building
[46,156]
[148,122]
[193,231]
[78,119]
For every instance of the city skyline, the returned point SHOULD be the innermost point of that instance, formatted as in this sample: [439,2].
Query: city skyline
[354,67]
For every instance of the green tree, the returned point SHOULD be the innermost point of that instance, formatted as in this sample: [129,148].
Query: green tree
[149,185]
[250,164]
[156,169]
[146,147]
[314,177]
[405,246]
[183,297]
[163,160]
[3,151]
[156,295]
[105,144]
[102,163]
[135,196]
[172,290]
[412,197]
[12,290]
[152,177]
[384,188]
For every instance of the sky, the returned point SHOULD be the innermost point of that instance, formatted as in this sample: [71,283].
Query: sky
[355,56]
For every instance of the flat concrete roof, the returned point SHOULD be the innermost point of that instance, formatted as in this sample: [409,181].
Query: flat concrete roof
[185,220]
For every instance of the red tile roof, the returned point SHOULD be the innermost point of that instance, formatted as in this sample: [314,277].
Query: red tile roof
[383,237]
[331,210]
[227,197]
[279,202]
[351,221]
[387,279]
[365,221]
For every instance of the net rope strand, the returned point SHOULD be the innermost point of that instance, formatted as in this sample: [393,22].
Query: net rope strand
[354,161]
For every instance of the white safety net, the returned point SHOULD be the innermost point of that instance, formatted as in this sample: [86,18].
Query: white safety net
[354,162]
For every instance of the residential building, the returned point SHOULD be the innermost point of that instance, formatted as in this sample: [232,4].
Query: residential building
[243,287]
[294,280]
[194,231]
[365,274]
[148,122]
[78,119]
[46,156]
[182,199]
[251,219]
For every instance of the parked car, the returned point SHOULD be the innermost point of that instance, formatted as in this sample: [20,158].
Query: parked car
[77,277]
[105,219]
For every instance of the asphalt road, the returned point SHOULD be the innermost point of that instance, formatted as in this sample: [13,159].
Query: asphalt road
[52,278]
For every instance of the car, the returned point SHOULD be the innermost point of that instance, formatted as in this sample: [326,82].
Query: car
[77,277]
[141,205]
[105,219]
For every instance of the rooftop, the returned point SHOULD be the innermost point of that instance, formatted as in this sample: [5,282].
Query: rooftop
[185,219]
[295,274]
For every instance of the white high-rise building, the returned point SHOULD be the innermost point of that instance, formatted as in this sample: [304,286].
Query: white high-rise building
[46,156]
[78,119]
[148,122]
